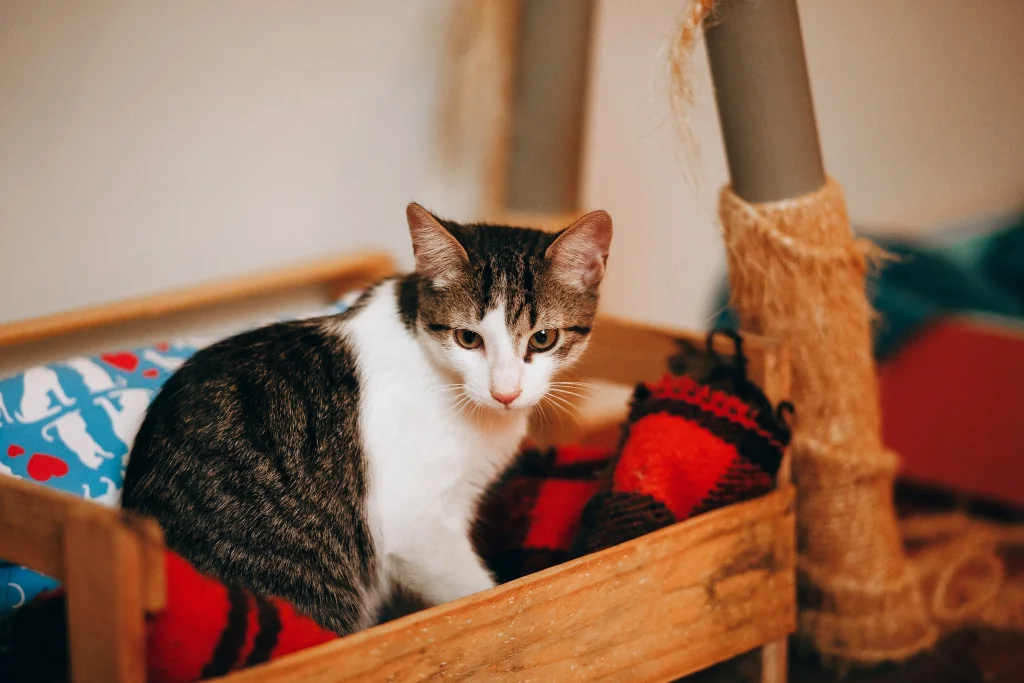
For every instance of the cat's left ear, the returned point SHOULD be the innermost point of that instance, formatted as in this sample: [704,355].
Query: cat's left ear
[579,254]
[439,256]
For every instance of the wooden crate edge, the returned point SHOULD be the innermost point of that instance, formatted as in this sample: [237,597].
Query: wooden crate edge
[336,273]
[400,648]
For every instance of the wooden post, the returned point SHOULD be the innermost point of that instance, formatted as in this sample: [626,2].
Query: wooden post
[112,566]
[549,106]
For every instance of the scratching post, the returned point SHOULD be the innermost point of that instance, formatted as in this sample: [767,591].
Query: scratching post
[798,274]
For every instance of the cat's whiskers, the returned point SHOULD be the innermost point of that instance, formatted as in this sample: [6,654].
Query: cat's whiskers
[569,405]
[542,415]
[561,405]
[456,392]
[460,405]
[571,398]
[546,400]
[472,411]
[582,387]
[566,392]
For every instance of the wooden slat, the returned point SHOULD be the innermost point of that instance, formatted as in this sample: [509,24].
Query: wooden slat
[104,582]
[626,352]
[338,273]
[32,520]
[150,539]
[661,606]
[775,661]
[33,532]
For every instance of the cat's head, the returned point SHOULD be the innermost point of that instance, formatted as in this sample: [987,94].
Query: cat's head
[504,309]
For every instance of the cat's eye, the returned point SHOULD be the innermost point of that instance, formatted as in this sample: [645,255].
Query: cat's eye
[543,340]
[468,339]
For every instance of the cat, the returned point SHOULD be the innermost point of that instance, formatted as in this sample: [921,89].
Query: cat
[96,379]
[111,497]
[73,431]
[125,420]
[39,383]
[166,363]
[338,461]
[4,415]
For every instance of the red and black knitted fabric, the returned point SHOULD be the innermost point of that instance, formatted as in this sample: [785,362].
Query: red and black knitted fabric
[688,449]
[696,440]
[207,629]
[702,437]
[527,521]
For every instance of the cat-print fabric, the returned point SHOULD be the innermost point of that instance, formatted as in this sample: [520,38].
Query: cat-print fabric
[70,425]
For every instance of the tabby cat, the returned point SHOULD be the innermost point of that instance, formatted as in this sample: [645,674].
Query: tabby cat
[334,461]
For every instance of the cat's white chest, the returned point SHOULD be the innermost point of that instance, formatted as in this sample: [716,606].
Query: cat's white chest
[427,463]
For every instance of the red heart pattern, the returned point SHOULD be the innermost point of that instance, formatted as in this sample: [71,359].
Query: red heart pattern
[14,450]
[150,373]
[42,467]
[123,360]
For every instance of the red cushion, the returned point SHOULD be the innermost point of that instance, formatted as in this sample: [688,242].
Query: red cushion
[953,408]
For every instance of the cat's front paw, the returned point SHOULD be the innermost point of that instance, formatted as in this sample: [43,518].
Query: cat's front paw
[468,580]
[480,582]
[455,582]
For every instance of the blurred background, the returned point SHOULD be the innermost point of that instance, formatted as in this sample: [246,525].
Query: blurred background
[148,146]
[145,146]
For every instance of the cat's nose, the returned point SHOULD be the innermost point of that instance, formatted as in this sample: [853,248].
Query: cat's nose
[506,397]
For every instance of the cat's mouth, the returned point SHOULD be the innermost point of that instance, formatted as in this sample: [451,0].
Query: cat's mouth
[512,407]
[470,403]
[509,408]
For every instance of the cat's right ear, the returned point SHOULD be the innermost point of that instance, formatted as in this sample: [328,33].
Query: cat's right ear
[439,256]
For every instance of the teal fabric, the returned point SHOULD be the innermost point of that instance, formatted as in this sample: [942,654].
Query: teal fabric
[1002,260]
[983,275]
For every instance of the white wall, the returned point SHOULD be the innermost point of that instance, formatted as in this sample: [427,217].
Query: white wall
[146,145]
[920,107]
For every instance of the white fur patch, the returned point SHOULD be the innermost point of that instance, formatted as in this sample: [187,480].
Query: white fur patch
[504,360]
[429,455]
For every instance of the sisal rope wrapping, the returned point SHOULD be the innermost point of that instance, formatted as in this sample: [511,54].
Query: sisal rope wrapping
[797,274]
[962,571]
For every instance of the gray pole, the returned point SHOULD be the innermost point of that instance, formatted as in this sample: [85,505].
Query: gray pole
[764,99]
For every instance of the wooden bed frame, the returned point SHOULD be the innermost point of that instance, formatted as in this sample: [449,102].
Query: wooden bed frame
[654,609]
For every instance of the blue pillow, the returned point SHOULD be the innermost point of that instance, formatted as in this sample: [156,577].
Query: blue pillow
[70,426]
